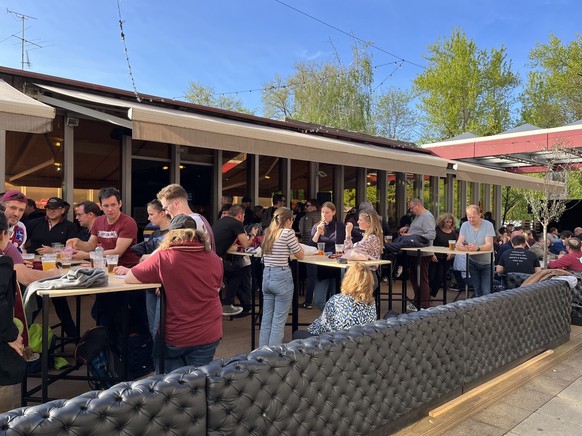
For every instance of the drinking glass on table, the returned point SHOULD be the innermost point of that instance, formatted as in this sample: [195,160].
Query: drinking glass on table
[339,248]
[49,261]
[112,260]
[321,248]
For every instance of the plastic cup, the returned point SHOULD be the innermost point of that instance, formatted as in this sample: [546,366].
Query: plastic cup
[452,244]
[339,248]
[112,260]
[320,248]
[49,261]
[66,259]
[57,249]
[28,256]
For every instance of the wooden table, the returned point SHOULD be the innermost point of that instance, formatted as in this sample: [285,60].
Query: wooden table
[429,251]
[325,261]
[116,284]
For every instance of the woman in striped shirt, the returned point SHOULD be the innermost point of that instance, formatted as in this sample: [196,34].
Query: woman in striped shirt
[278,243]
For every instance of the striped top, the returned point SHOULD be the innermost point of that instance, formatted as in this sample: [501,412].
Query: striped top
[282,248]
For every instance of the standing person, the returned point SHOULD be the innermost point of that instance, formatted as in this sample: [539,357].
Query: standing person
[225,203]
[278,201]
[174,199]
[279,243]
[247,203]
[12,364]
[440,263]
[54,228]
[157,217]
[331,232]
[306,223]
[477,235]
[370,247]
[298,212]
[15,204]
[229,230]
[192,274]
[31,212]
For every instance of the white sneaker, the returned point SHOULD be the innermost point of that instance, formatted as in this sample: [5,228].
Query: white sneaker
[399,271]
[411,307]
[230,310]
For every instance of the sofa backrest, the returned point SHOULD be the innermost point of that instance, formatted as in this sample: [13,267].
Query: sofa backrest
[342,383]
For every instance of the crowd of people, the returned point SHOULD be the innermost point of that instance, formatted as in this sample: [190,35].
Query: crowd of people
[203,276]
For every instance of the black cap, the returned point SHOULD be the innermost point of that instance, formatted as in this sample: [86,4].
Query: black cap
[246,200]
[182,221]
[56,202]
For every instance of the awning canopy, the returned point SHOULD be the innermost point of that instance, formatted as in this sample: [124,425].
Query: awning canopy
[166,125]
[20,113]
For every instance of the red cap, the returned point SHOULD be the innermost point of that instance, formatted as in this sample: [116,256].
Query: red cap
[14,196]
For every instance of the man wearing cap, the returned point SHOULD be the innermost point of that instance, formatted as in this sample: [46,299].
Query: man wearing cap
[50,229]
[15,204]
[174,199]
[572,260]
[192,275]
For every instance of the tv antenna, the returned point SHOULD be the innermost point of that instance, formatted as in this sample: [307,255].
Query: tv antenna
[23,41]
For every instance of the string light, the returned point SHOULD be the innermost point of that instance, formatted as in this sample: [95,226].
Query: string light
[127,53]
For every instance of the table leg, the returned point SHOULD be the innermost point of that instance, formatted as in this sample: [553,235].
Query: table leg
[418,278]
[253,305]
[162,337]
[295,303]
[467,276]
[45,348]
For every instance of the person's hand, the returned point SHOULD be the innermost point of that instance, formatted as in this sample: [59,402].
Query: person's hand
[349,228]
[44,250]
[18,345]
[403,231]
[72,242]
[120,270]
[321,228]
[80,255]
[434,258]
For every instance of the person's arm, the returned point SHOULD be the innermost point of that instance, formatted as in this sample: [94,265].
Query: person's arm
[26,275]
[537,268]
[121,246]
[130,278]
[499,269]
[82,245]
[294,246]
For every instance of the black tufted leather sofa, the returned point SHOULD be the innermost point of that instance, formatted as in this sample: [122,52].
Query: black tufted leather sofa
[515,281]
[376,377]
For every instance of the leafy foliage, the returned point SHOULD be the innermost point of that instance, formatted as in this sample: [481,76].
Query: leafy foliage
[553,93]
[465,89]
[205,95]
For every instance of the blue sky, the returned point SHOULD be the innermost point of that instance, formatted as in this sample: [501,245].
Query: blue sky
[235,45]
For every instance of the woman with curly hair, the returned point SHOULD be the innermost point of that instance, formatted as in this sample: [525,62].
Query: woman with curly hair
[279,242]
[354,306]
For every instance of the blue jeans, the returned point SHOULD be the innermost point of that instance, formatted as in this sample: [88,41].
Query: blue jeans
[277,298]
[480,278]
[153,311]
[321,290]
[177,357]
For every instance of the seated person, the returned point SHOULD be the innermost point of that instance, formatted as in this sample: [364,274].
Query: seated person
[559,245]
[354,306]
[572,260]
[518,259]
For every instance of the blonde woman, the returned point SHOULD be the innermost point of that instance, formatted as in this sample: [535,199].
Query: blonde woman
[354,306]
[192,275]
[279,242]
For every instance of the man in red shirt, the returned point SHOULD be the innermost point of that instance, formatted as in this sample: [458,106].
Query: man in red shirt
[572,260]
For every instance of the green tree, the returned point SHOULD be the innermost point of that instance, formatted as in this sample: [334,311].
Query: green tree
[332,94]
[464,89]
[553,93]
[205,96]
[394,116]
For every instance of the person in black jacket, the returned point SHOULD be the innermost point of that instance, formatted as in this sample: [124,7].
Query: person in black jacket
[12,364]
